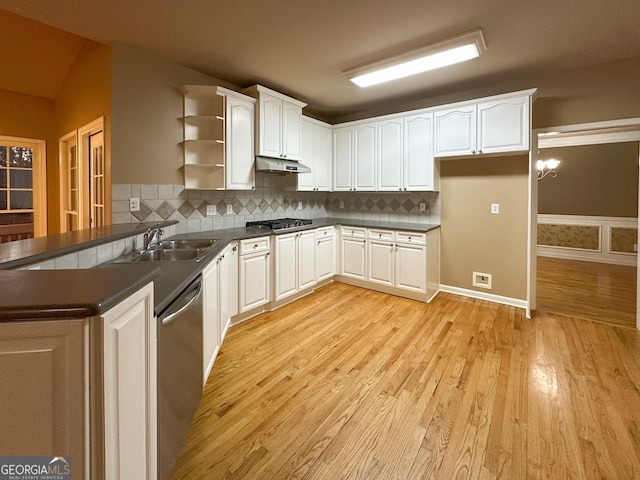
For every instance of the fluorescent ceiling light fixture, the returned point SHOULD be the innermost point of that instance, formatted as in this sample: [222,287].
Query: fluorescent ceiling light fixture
[449,52]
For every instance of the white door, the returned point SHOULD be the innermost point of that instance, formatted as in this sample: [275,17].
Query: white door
[306,259]
[381,263]
[308,147]
[286,278]
[411,267]
[503,125]
[291,124]
[210,317]
[239,158]
[254,281]
[352,257]
[390,155]
[325,258]
[322,165]
[365,156]
[455,131]
[270,125]
[418,152]
[224,292]
[342,158]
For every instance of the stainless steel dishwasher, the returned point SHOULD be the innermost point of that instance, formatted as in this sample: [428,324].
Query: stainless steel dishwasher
[179,373]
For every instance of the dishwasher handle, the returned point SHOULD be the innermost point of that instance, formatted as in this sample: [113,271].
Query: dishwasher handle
[192,296]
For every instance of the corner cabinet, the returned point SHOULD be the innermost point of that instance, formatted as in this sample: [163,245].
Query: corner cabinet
[278,123]
[497,125]
[218,139]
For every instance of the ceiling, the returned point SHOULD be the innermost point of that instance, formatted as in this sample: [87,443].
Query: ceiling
[301,47]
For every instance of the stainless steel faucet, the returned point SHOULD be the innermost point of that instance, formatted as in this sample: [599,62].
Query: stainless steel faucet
[149,235]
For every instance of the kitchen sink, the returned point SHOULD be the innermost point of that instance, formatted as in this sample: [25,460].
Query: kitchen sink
[170,251]
[186,244]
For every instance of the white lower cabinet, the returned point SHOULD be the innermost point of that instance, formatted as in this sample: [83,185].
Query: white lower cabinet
[294,263]
[353,252]
[411,267]
[325,254]
[253,273]
[381,260]
[129,386]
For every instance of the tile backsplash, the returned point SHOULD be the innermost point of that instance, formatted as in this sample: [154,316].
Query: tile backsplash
[272,198]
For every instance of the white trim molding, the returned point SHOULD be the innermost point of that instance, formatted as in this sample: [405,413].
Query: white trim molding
[603,254]
[489,297]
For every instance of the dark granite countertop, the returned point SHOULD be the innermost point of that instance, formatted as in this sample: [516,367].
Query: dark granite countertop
[56,294]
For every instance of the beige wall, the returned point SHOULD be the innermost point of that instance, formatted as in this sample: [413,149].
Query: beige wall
[475,240]
[593,180]
[147,108]
[85,96]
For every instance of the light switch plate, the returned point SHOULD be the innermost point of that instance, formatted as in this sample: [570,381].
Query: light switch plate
[134,204]
[211,210]
[299,205]
[229,209]
[423,207]
[495,208]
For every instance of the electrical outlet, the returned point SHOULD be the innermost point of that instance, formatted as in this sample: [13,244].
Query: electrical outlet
[134,204]
[483,280]
[423,207]
[341,203]
[211,210]
[299,205]
[229,209]
[495,208]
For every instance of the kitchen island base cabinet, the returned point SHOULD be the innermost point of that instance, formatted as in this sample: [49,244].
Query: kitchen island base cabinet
[42,395]
[129,386]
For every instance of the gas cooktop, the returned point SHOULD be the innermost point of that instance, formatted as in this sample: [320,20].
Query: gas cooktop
[279,223]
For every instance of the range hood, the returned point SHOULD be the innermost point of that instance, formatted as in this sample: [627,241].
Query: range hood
[279,165]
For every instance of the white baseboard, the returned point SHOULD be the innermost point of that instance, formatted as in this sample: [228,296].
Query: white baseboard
[490,297]
[586,256]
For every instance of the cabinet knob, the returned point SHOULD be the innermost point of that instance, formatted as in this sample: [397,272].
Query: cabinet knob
[235,248]
[479,151]
[253,187]
[473,151]
[255,246]
[405,189]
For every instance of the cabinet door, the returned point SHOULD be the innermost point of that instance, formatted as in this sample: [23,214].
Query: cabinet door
[308,147]
[291,125]
[390,155]
[325,258]
[352,257]
[240,173]
[306,259]
[411,267]
[211,337]
[504,125]
[224,293]
[365,156]
[381,263]
[42,373]
[270,121]
[130,388]
[286,279]
[322,165]
[342,158]
[254,281]
[455,131]
[233,279]
[418,152]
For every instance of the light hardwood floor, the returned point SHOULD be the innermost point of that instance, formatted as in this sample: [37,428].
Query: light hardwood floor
[351,383]
[597,291]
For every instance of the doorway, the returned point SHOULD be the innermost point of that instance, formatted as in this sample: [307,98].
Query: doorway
[83,182]
[22,189]
[590,269]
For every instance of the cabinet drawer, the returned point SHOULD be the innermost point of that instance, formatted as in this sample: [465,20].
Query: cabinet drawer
[354,232]
[324,232]
[384,235]
[411,237]
[253,245]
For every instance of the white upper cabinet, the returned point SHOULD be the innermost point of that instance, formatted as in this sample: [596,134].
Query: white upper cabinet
[390,159]
[342,158]
[218,139]
[365,156]
[498,125]
[316,154]
[278,124]
[420,171]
